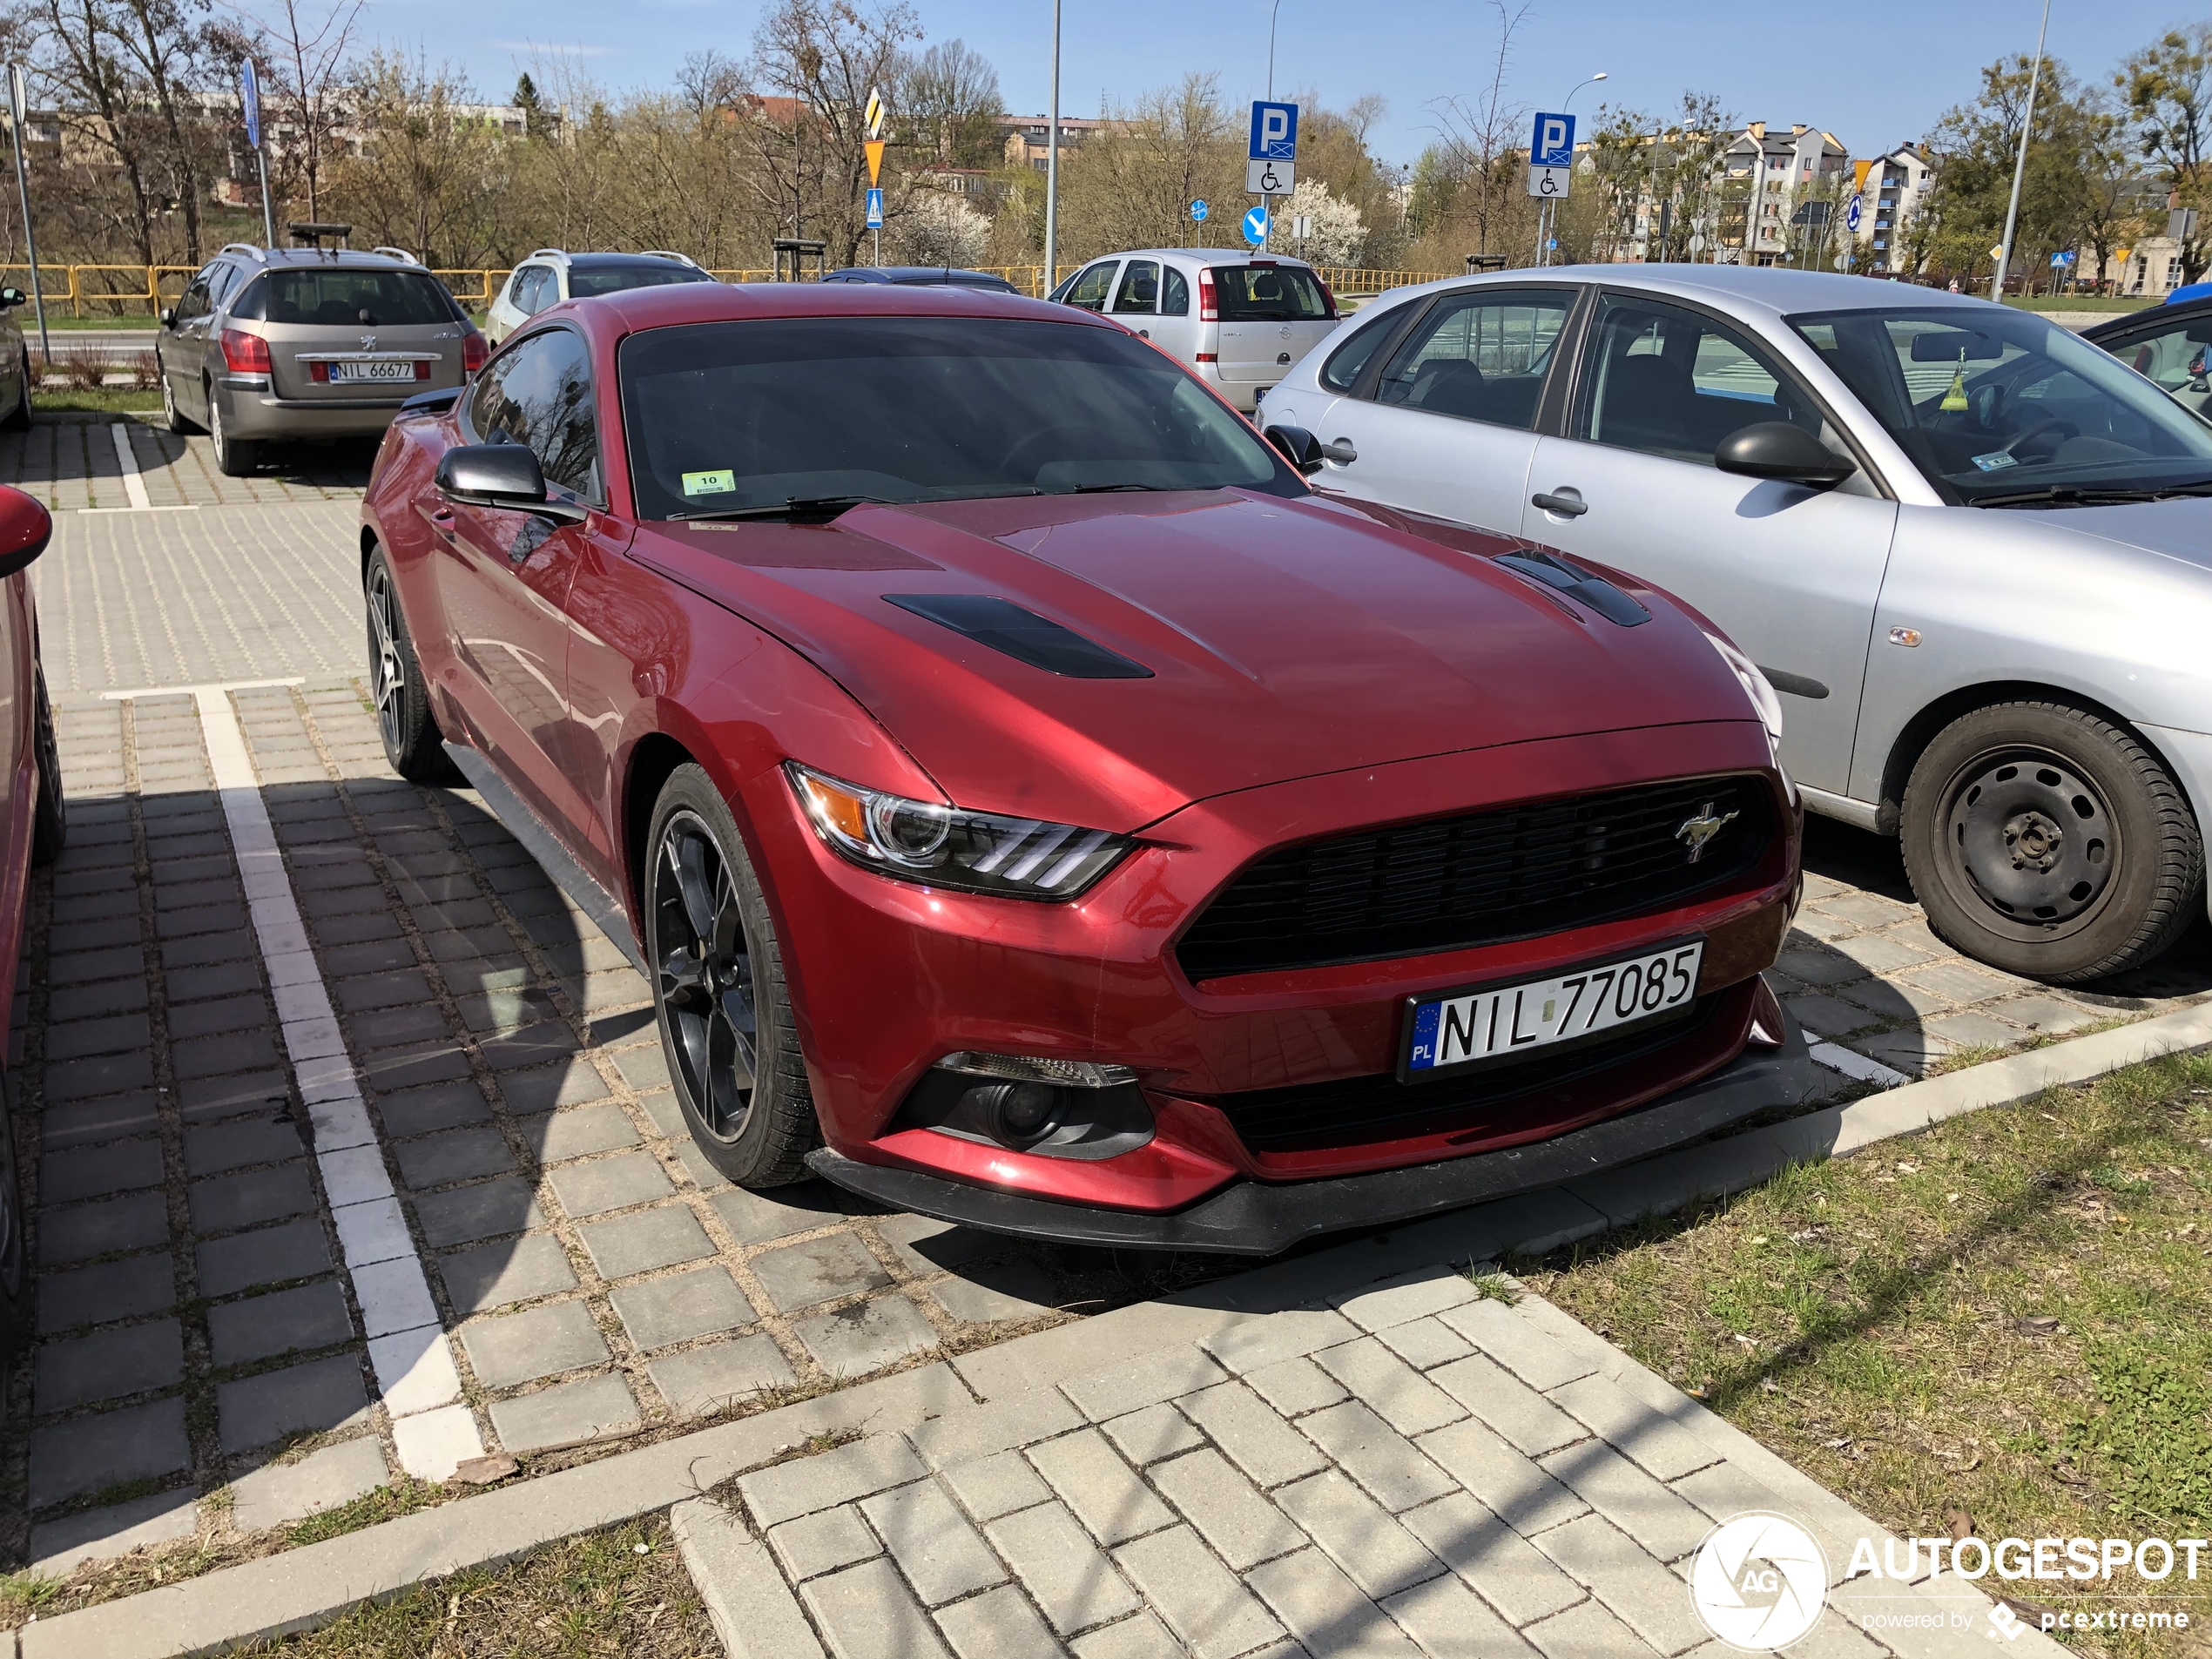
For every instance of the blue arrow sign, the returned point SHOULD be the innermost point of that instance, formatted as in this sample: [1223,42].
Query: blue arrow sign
[875,209]
[1198,211]
[1554,142]
[250,94]
[1274,132]
[1852,214]
[1256,226]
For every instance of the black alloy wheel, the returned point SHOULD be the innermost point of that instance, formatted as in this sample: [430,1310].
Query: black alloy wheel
[413,742]
[234,457]
[725,1018]
[171,417]
[2048,841]
[50,813]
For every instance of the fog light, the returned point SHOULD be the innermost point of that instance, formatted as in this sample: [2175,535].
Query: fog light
[1025,1111]
[1060,1109]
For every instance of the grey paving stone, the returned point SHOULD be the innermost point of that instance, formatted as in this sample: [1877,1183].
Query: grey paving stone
[700,1167]
[1520,1494]
[645,1240]
[1523,1417]
[573,1084]
[1818,965]
[1827,1017]
[587,1409]
[379,1027]
[1155,1432]
[659,1312]
[1644,1595]
[321,1395]
[201,1100]
[521,1347]
[1090,1478]
[964,1432]
[1141,1637]
[323,1479]
[1017,1289]
[1135,1384]
[1212,1615]
[758,1217]
[609,1184]
[219,1014]
[808,1485]
[420,1111]
[1426,1344]
[1631,1499]
[1376,1455]
[1910,1051]
[59,1545]
[126,1290]
[668,1118]
[1257,1441]
[116,1034]
[1893,1001]
[865,1336]
[2047,1014]
[865,1610]
[1393,1390]
[379,990]
[489,1209]
[705,1379]
[816,1544]
[307,1315]
[108,1364]
[266,1256]
[1654,1441]
[107,1119]
[536,1045]
[937,1550]
[798,1276]
[643,1067]
[222,979]
[1971,1029]
[371,956]
[1325,1609]
[1511,1573]
[1532,1355]
[411,1068]
[577,1132]
[995,1486]
[1296,1386]
[234,1051]
[216,1147]
[490,1275]
[225,1201]
[1073,1584]
[97,1172]
[1243,1529]
[454,1155]
[86,1453]
[1410,1296]
[1379,1555]
[998,1625]
[1586,1632]
[85,1230]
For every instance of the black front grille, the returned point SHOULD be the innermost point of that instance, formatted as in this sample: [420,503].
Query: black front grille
[1358,1112]
[1453,883]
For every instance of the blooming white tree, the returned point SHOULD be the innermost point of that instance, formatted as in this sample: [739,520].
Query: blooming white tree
[939,228]
[1339,233]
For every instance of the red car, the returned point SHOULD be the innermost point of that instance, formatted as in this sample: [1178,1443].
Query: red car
[1036,807]
[31,831]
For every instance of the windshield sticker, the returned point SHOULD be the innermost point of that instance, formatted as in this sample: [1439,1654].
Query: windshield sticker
[710,483]
[1995,460]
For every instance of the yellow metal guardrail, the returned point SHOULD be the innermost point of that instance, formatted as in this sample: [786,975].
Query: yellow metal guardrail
[128,290]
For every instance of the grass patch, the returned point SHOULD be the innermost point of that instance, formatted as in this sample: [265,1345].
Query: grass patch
[404,1497]
[24,1594]
[622,1593]
[66,326]
[2009,1315]
[106,400]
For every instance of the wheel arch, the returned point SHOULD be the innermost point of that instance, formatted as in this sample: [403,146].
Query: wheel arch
[652,763]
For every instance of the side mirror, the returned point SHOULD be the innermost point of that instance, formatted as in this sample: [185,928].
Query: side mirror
[1778,449]
[503,476]
[11,298]
[168,316]
[24,527]
[1300,447]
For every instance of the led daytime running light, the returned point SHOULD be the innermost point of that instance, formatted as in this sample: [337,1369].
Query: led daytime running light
[1038,1069]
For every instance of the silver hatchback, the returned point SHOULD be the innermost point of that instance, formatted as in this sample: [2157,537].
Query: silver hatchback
[275,343]
[1970,553]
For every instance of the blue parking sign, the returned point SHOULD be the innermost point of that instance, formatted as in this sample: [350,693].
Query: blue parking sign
[875,209]
[1554,142]
[1274,132]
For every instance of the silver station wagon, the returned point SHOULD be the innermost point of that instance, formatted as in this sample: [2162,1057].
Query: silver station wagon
[1971,552]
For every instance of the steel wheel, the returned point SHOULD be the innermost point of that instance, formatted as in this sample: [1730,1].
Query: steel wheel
[2033,835]
[388,664]
[703,965]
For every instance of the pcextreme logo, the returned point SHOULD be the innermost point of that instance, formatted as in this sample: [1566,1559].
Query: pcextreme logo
[1759,1582]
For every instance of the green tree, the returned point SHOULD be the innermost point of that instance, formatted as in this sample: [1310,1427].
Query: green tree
[2168,88]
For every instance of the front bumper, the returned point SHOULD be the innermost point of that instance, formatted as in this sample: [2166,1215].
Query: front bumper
[1263,1218]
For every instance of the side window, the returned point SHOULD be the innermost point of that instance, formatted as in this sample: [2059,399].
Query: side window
[1140,289]
[1175,294]
[251,302]
[533,290]
[195,302]
[2175,357]
[1090,288]
[1350,360]
[1671,382]
[492,418]
[1480,355]
[544,394]
[221,280]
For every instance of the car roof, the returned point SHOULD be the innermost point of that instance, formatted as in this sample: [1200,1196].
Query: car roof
[953,273]
[690,302]
[1207,255]
[605,261]
[2165,316]
[342,258]
[1737,287]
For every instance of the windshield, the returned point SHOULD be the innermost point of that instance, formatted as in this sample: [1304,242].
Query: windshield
[1995,404]
[613,279]
[1270,293]
[348,298]
[725,416]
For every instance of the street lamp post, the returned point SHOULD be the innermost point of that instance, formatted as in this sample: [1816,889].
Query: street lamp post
[1550,215]
[2019,167]
[1052,167]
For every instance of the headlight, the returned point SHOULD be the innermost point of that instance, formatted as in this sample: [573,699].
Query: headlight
[1764,698]
[927,841]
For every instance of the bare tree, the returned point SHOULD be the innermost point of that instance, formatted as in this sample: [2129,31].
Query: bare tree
[82,62]
[1482,138]
[163,39]
[311,53]
[949,106]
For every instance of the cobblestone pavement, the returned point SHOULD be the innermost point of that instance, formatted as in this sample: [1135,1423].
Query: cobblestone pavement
[218,1301]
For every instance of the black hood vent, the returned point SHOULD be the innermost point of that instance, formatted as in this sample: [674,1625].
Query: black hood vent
[1022,635]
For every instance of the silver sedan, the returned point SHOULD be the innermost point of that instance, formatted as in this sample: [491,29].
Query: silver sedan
[1972,553]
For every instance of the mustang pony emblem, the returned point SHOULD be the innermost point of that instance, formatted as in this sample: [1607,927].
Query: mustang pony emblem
[1698,830]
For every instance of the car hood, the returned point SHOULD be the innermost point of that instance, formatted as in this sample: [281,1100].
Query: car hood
[2179,529]
[1285,639]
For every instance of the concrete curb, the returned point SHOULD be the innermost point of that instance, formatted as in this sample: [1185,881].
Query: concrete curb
[305,1587]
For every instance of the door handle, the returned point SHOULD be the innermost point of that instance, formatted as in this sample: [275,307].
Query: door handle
[1340,451]
[1568,503]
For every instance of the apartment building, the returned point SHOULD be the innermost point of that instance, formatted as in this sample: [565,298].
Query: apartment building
[1027,135]
[1763,172]
[1896,185]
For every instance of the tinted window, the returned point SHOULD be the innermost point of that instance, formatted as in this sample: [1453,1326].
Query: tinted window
[1350,360]
[539,393]
[250,301]
[1269,294]
[1482,356]
[613,279]
[1175,294]
[735,414]
[1089,289]
[2174,357]
[221,279]
[344,299]
[194,304]
[1140,289]
[1675,383]
[533,289]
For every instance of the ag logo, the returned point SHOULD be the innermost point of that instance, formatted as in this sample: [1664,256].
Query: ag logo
[1759,1582]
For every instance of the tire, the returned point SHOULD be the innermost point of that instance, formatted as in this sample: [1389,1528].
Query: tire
[50,816]
[171,417]
[19,417]
[744,1093]
[15,1269]
[2048,842]
[413,743]
[234,457]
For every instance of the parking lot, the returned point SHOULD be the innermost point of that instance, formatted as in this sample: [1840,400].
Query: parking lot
[228,1307]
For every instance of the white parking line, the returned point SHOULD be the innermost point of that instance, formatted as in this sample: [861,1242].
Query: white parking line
[1856,1066]
[409,1349]
[134,486]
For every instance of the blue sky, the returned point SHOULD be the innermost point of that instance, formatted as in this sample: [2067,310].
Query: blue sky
[1873,76]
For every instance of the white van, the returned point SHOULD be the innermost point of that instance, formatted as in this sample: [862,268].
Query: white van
[1240,320]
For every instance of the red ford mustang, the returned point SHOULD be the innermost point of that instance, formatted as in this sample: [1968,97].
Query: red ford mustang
[1036,807]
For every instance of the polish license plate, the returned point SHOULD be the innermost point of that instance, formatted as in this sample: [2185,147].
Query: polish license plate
[342,373]
[1465,1029]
